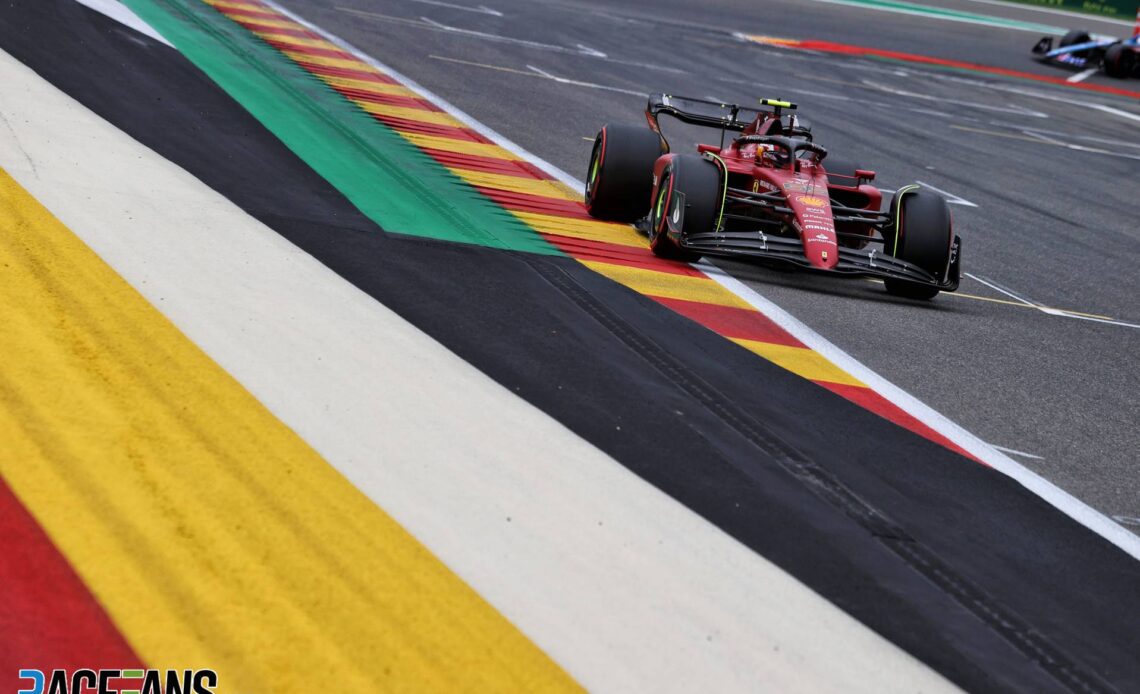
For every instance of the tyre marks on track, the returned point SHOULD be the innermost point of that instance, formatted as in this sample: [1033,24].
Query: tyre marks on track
[210,533]
[552,208]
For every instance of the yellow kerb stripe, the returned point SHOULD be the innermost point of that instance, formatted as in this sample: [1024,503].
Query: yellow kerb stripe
[351,64]
[421,115]
[211,533]
[622,234]
[448,144]
[520,184]
[261,21]
[801,361]
[232,5]
[298,42]
[668,285]
[377,87]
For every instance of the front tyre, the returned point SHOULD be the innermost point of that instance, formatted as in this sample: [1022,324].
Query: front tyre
[922,235]
[620,178]
[1074,37]
[688,201]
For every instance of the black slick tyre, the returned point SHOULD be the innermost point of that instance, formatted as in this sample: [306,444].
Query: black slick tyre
[1119,62]
[921,233]
[1074,37]
[619,180]
[690,194]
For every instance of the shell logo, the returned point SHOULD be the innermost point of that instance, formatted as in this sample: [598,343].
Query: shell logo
[811,201]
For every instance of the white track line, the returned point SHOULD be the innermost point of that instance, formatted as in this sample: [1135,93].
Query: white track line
[1047,310]
[1014,451]
[1059,498]
[119,12]
[951,198]
[579,49]
[480,9]
[1082,76]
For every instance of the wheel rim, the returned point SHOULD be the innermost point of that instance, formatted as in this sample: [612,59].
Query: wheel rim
[592,179]
[659,207]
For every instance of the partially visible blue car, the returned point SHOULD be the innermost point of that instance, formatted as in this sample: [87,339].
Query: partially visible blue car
[1081,50]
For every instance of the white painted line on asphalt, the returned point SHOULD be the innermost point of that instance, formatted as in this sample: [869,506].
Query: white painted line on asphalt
[950,197]
[1066,503]
[1037,136]
[1014,109]
[527,43]
[1014,451]
[1094,319]
[784,88]
[1070,136]
[619,583]
[1082,102]
[1060,499]
[1050,311]
[498,38]
[120,13]
[480,9]
[1128,520]
[997,288]
[591,51]
[577,83]
[1084,75]
[1135,117]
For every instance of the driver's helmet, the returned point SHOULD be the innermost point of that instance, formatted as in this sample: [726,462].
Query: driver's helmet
[772,155]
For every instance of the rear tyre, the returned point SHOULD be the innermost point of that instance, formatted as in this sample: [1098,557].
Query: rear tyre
[696,181]
[620,178]
[1119,62]
[922,235]
[1074,37]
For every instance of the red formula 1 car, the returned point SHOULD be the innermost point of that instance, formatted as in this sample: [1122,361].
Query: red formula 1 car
[768,194]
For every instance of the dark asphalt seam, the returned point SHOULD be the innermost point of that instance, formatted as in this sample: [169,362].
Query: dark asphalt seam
[1074,676]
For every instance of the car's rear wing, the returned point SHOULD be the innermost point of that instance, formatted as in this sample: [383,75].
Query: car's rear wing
[712,114]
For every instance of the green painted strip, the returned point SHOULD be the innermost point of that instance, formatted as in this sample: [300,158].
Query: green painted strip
[1121,9]
[132,674]
[950,15]
[389,179]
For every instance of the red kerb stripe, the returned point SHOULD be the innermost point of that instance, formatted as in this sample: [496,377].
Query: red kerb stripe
[48,618]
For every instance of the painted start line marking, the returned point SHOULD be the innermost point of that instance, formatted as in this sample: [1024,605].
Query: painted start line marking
[1068,504]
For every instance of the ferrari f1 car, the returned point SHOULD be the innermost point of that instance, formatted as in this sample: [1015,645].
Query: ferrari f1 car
[768,194]
[1079,50]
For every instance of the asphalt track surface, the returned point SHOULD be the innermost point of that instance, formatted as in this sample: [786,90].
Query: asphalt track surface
[1053,225]
[954,562]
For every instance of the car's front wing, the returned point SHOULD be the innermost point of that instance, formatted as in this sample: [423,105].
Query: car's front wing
[852,261]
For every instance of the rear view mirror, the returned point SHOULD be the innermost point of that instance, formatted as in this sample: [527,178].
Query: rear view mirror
[864,175]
